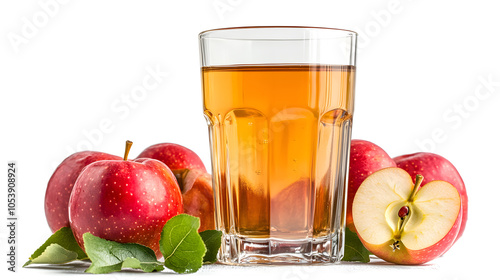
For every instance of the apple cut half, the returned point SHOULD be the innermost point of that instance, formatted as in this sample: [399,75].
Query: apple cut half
[402,223]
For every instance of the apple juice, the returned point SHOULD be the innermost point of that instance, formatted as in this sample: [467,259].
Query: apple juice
[280,139]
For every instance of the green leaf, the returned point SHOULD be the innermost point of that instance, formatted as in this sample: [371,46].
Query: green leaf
[354,251]
[60,247]
[181,245]
[212,240]
[109,256]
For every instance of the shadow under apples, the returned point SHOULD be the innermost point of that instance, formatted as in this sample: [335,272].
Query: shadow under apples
[79,267]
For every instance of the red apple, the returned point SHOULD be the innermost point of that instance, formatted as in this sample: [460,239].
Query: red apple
[435,167]
[402,223]
[174,156]
[61,183]
[197,196]
[124,201]
[290,207]
[365,158]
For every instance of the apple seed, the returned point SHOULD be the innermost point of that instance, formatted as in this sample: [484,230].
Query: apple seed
[403,212]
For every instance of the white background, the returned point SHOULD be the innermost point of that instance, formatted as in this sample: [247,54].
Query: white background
[428,80]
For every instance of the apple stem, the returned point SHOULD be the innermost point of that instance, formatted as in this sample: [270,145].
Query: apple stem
[128,145]
[418,180]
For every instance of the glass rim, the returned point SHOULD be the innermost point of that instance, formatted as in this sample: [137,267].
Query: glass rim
[205,33]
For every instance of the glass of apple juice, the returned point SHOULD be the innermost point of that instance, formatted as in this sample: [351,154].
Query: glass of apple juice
[279,105]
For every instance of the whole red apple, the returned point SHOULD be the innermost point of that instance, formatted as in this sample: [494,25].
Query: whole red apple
[61,183]
[197,196]
[124,201]
[175,156]
[435,167]
[365,158]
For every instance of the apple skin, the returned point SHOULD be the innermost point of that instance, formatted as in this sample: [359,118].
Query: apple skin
[197,196]
[124,201]
[61,184]
[365,158]
[435,167]
[175,156]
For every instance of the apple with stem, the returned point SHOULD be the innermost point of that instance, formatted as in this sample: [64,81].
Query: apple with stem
[175,156]
[127,201]
[61,184]
[365,158]
[435,167]
[402,223]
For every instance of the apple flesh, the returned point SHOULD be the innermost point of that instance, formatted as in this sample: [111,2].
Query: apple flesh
[435,167]
[197,196]
[61,184]
[175,156]
[365,158]
[402,223]
[124,201]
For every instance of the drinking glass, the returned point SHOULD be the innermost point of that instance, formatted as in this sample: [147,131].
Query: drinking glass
[279,105]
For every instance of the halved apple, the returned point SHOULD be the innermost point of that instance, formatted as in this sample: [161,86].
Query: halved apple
[402,223]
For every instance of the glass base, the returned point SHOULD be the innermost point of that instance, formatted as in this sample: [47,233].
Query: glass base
[237,250]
